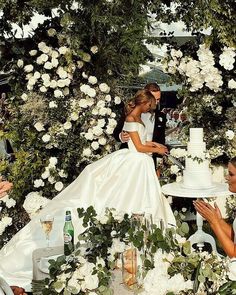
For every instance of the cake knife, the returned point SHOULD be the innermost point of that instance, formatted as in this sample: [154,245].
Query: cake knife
[175,161]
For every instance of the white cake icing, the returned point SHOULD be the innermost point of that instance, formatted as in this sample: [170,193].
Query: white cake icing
[197,173]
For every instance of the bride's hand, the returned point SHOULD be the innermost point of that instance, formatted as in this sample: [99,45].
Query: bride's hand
[161,149]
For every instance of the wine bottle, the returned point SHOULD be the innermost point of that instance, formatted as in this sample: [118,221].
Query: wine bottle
[68,232]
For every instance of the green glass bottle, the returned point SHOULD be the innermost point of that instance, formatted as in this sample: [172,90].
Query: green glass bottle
[68,232]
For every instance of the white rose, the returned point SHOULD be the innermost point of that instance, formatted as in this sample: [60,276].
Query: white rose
[32,81]
[54,54]
[39,126]
[117,100]
[46,138]
[46,49]
[45,77]
[108,98]
[74,116]
[24,96]
[52,104]
[62,73]
[67,81]
[92,80]
[63,50]
[67,125]
[95,145]
[48,65]
[46,83]
[33,52]
[37,75]
[53,84]
[58,93]
[87,152]
[94,49]
[83,103]
[39,60]
[58,186]
[20,63]
[51,179]
[54,62]
[97,130]
[45,174]
[8,201]
[7,220]
[232,84]
[102,111]
[43,89]
[109,130]
[102,141]
[229,134]
[61,83]
[95,112]
[28,68]
[89,136]
[91,92]
[53,161]
[38,183]
[104,88]
[44,57]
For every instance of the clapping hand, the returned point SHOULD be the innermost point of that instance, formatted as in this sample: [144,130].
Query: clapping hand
[210,213]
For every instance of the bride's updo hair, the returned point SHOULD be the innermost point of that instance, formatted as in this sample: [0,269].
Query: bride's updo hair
[141,96]
[233,161]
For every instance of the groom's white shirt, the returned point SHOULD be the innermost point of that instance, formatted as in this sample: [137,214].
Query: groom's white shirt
[149,122]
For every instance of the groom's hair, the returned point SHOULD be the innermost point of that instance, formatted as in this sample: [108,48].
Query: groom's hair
[152,87]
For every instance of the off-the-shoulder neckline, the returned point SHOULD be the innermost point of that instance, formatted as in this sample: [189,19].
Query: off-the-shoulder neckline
[136,122]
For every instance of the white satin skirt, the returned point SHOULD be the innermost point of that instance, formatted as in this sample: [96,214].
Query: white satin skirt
[123,180]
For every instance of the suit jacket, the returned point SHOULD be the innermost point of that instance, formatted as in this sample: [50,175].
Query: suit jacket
[158,132]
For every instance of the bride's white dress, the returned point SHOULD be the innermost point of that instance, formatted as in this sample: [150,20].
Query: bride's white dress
[125,180]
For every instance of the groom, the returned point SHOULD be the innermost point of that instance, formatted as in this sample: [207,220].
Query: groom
[154,121]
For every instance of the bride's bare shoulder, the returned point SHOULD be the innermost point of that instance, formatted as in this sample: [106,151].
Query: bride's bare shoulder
[129,118]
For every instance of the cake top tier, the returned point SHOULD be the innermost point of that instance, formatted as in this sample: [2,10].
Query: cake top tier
[196,134]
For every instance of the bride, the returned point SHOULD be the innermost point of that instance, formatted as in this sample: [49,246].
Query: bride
[125,180]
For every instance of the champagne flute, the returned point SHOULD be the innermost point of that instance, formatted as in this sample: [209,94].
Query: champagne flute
[46,223]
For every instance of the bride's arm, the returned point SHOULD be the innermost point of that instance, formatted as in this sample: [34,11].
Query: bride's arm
[145,148]
[154,144]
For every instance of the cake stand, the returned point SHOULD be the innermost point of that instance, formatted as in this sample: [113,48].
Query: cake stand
[218,190]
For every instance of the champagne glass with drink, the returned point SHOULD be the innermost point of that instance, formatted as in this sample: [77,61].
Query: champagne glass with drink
[47,222]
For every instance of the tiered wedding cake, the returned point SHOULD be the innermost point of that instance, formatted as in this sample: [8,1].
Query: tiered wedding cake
[197,173]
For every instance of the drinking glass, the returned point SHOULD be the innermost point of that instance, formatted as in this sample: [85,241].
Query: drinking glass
[46,223]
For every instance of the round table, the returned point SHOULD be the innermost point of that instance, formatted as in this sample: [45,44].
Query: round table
[176,189]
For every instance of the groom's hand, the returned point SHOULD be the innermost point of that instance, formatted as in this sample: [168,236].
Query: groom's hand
[124,136]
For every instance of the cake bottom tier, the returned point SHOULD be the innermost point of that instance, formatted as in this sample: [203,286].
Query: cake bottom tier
[197,179]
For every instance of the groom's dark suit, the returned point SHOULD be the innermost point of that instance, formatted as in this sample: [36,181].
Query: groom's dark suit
[158,132]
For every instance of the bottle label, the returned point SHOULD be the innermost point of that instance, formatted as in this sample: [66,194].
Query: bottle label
[68,218]
[67,238]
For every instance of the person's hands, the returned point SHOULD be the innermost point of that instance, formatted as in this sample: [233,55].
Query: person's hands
[18,291]
[124,136]
[5,186]
[161,149]
[211,214]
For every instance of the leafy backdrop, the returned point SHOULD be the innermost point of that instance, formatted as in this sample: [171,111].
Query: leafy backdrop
[65,85]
